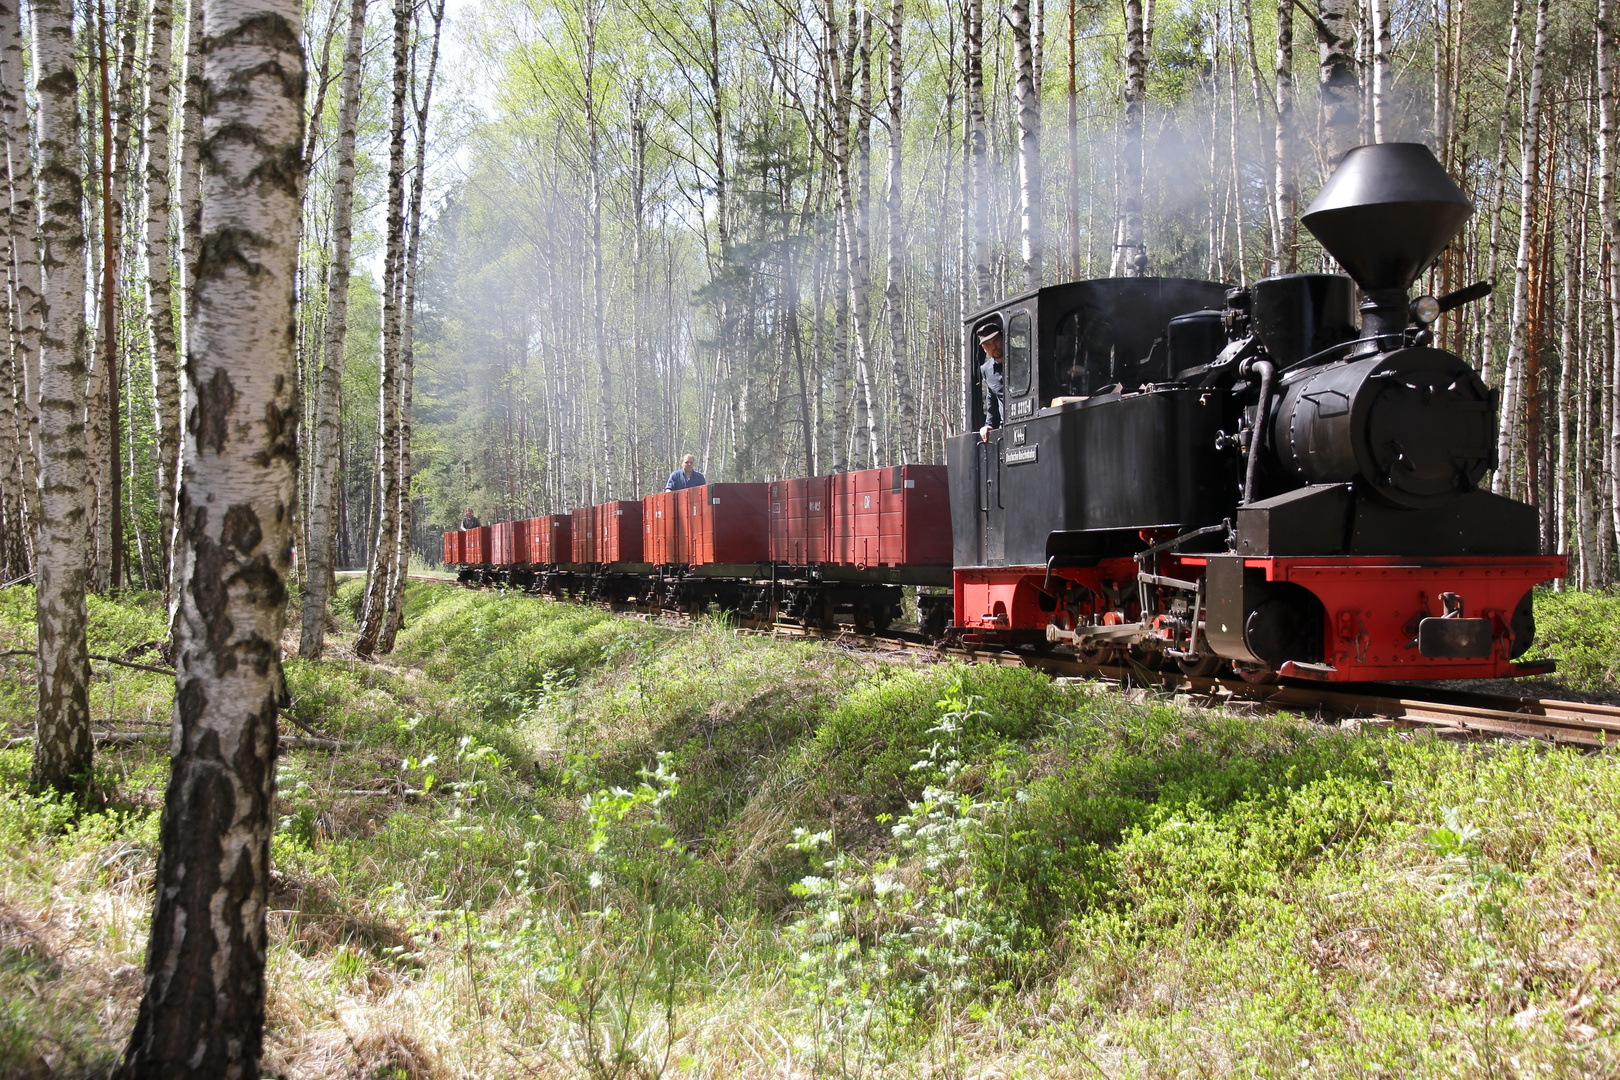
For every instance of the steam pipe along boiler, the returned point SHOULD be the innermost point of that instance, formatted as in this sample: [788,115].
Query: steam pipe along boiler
[1275,478]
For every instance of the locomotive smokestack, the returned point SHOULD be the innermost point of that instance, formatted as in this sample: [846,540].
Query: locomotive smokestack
[1385,214]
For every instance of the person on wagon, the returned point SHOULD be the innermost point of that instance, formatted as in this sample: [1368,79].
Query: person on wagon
[686,476]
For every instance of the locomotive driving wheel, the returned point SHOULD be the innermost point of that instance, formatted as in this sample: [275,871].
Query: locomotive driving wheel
[1200,665]
[1256,674]
[1100,655]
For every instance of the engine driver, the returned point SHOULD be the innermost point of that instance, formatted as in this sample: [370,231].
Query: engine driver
[995,381]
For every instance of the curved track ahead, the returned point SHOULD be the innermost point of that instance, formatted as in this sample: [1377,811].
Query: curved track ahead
[1452,711]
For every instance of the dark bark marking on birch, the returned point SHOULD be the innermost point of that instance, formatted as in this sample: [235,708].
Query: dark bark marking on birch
[211,416]
[212,592]
[283,428]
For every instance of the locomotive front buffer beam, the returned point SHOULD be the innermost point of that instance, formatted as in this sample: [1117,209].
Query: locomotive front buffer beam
[1330,619]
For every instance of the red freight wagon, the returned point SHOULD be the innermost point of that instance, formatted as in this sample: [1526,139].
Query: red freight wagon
[450,558]
[724,523]
[894,516]
[583,526]
[509,542]
[660,526]
[778,536]
[618,532]
[800,510]
[916,520]
[477,549]
[550,539]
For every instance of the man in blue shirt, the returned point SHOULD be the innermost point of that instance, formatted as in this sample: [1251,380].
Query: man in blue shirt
[686,476]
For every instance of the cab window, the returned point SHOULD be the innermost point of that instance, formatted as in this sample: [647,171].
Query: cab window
[1083,354]
[1018,355]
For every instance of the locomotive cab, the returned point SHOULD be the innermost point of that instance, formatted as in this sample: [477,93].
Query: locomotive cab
[1099,441]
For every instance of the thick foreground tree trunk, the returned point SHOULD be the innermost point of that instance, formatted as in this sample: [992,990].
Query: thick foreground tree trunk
[323,492]
[62,746]
[203,1011]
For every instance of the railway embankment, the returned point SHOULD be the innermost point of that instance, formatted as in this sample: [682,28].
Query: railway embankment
[542,840]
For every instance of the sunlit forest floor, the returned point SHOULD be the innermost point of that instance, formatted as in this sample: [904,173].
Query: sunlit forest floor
[557,843]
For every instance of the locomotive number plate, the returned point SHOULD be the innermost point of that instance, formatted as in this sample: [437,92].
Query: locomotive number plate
[1023,455]
[1022,408]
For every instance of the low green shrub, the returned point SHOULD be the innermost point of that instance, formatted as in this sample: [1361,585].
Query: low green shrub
[1581,630]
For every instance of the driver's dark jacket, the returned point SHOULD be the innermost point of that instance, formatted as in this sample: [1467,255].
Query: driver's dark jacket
[995,392]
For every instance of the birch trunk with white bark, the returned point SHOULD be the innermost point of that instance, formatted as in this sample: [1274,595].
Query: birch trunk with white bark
[159,307]
[62,745]
[1518,325]
[1130,245]
[1286,191]
[1337,87]
[973,66]
[202,1014]
[1027,97]
[323,489]
[22,224]
[1607,106]
[908,444]
[1381,77]
[373,615]
[407,340]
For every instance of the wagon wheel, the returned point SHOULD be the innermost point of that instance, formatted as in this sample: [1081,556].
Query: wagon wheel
[829,617]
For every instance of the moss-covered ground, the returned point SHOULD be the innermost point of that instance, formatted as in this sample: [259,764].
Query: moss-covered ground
[566,844]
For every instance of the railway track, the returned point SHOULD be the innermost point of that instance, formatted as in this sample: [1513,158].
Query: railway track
[1455,712]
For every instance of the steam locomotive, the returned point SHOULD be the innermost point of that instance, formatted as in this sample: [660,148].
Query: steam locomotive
[1273,479]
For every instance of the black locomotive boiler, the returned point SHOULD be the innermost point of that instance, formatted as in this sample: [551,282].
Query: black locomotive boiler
[1279,478]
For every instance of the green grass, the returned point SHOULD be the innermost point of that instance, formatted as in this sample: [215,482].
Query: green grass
[571,844]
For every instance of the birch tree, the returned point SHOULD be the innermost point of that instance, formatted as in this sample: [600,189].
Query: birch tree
[329,381]
[1027,98]
[62,746]
[894,204]
[1378,11]
[202,1013]
[1337,89]
[374,614]
[420,108]
[1518,325]
[27,307]
[159,309]
[1130,244]
[1285,186]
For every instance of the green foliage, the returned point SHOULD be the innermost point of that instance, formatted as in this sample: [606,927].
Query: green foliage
[1581,630]
[573,841]
[867,746]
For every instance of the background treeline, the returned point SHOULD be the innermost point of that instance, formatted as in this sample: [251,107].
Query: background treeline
[751,230]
